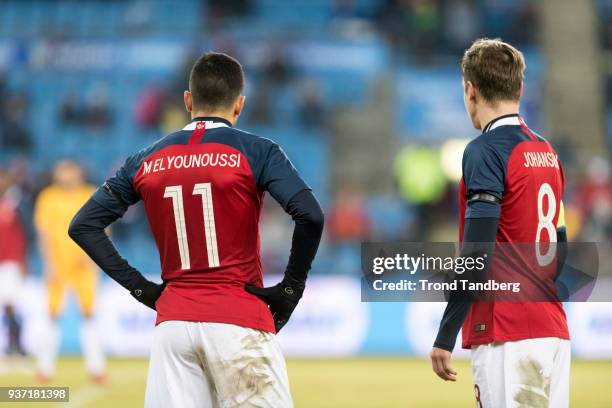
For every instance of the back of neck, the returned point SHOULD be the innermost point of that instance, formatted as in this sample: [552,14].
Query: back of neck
[222,115]
[489,112]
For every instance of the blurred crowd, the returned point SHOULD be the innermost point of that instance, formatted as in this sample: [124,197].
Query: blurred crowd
[423,205]
[14,132]
[36,186]
[606,43]
[416,31]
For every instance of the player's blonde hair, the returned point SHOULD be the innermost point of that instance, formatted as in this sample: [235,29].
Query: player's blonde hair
[495,68]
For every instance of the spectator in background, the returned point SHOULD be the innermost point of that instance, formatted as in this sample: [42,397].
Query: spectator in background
[13,133]
[69,113]
[261,112]
[411,26]
[66,266]
[595,201]
[276,72]
[24,183]
[149,107]
[524,29]
[461,24]
[348,220]
[13,254]
[515,21]
[98,115]
[392,18]
[312,113]
[228,8]
[95,113]
[425,22]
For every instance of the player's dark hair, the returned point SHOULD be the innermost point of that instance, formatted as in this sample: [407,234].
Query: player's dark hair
[496,69]
[215,81]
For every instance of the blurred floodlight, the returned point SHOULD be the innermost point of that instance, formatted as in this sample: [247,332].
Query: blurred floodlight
[451,155]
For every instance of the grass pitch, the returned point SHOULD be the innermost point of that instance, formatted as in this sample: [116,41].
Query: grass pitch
[319,383]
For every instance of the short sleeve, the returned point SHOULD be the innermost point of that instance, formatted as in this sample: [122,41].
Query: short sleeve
[483,172]
[279,177]
[118,192]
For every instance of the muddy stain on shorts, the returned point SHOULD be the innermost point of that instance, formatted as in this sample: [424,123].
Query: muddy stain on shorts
[535,386]
[249,373]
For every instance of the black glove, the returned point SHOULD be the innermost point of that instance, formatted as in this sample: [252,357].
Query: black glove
[281,298]
[147,292]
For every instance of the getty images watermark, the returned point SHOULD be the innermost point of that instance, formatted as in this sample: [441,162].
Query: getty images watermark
[512,272]
[457,265]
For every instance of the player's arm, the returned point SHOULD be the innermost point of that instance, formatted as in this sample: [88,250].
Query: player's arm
[87,229]
[21,241]
[42,214]
[483,176]
[282,181]
[478,241]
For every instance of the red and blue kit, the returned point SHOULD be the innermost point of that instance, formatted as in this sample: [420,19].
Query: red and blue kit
[522,171]
[203,189]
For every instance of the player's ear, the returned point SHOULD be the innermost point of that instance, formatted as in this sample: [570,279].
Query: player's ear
[522,88]
[470,91]
[188,99]
[239,105]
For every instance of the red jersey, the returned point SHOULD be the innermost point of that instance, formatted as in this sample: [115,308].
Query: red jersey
[523,171]
[203,189]
[13,245]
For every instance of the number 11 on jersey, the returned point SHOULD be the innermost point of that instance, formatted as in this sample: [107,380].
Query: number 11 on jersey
[210,232]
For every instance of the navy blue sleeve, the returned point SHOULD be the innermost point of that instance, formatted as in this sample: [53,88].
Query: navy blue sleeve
[279,177]
[87,230]
[118,193]
[478,241]
[483,173]
[308,216]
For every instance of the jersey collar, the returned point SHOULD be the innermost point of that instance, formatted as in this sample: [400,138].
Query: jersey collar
[512,119]
[211,122]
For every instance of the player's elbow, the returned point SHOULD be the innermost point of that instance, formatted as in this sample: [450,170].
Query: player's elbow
[306,210]
[75,228]
[78,227]
[313,220]
[316,218]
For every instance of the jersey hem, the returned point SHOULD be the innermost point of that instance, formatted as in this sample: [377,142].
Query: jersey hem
[261,325]
[560,334]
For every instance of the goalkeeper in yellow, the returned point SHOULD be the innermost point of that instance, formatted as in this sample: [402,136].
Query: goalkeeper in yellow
[66,267]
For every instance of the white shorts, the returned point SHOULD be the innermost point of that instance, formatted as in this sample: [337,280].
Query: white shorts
[11,280]
[525,373]
[195,364]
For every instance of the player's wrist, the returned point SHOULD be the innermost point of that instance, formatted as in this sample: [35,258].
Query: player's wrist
[147,292]
[138,283]
[444,346]
[291,290]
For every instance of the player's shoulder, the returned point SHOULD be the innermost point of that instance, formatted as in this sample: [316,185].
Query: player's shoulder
[175,138]
[178,137]
[484,145]
[498,142]
[500,137]
[541,139]
[242,139]
[257,149]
